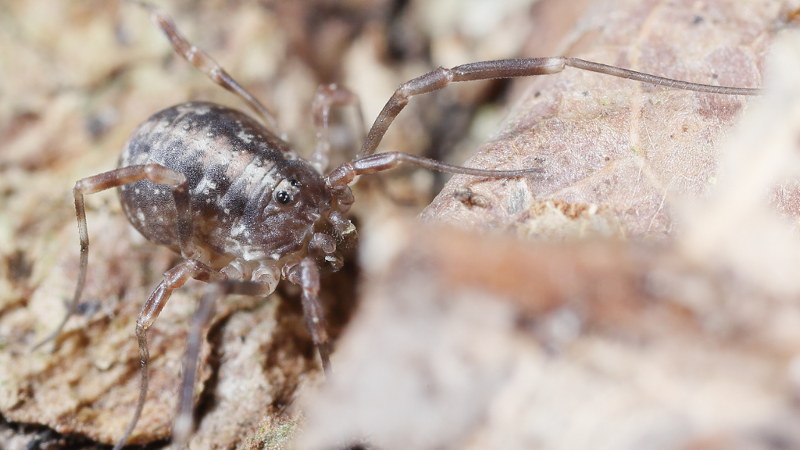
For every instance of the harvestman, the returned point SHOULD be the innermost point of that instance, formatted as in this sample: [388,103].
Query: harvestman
[245,211]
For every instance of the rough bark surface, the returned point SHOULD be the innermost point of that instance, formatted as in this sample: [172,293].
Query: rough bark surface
[464,339]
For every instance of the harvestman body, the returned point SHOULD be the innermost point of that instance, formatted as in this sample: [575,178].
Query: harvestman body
[245,211]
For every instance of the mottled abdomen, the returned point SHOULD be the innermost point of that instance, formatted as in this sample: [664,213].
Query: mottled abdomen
[228,158]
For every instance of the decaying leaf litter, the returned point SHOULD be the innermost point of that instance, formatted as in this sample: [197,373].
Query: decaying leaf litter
[121,240]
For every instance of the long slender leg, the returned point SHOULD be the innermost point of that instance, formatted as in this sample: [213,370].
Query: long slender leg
[379,162]
[328,96]
[509,68]
[173,279]
[306,275]
[183,421]
[206,64]
[153,172]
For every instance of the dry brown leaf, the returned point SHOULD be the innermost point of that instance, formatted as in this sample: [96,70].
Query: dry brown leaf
[621,151]
[80,89]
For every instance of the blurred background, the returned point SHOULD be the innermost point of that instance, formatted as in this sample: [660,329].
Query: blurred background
[635,298]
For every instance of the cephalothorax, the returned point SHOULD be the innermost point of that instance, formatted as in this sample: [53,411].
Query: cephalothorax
[245,211]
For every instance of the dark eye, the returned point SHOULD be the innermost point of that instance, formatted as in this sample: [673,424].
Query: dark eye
[283,197]
[294,182]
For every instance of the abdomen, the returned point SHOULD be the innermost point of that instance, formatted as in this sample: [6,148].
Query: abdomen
[223,153]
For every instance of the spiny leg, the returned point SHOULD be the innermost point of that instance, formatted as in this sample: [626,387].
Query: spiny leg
[173,279]
[114,178]
[184,420]
[328,96]
[510,68]
[306,275]
[206,64]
